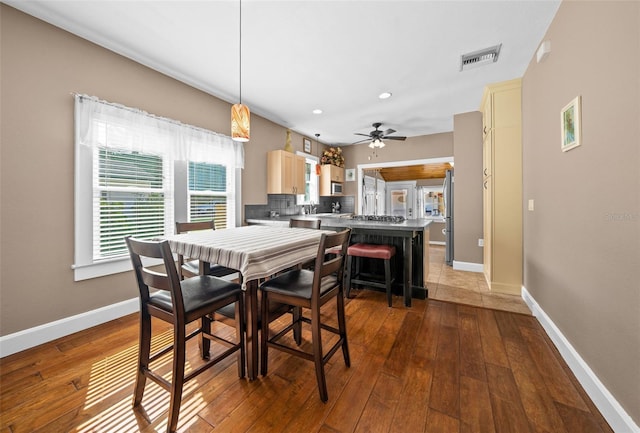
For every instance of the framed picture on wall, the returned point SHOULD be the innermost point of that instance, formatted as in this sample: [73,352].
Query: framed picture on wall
[350,174]
[570,120]
[307,145]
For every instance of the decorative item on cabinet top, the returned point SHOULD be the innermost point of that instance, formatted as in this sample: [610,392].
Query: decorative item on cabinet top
[287,142]
[333,156]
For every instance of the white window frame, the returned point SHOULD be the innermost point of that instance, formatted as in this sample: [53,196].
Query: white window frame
[314,182]
[229,194]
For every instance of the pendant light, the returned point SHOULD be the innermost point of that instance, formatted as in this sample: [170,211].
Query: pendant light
[240,115]
[318,169]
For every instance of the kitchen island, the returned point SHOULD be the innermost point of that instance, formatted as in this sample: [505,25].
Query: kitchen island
[410,237]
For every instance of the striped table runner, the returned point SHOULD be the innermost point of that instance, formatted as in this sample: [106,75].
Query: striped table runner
[256,251]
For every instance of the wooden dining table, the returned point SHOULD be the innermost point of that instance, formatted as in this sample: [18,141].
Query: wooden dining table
[256,252]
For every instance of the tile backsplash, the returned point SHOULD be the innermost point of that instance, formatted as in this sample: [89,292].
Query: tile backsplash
[285,205]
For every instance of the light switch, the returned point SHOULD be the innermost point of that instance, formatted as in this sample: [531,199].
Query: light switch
[531,204]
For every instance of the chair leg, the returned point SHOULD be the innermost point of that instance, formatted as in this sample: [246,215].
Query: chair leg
[240,326]
[342,327]
[205,343]
[387,281]
[317,353]
[297,325]
[143,356]
[177,382]
[347,277]
[264,334]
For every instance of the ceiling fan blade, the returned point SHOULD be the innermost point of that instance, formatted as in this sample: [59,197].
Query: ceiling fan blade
[389,131]
[361,141]
[394,138]
[364,135]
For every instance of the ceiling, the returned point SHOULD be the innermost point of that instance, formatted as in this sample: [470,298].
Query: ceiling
[334,55]
[413,172]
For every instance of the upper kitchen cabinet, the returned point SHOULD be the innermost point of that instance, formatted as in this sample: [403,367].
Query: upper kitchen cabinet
[502,186]
[330,174]
[285,173]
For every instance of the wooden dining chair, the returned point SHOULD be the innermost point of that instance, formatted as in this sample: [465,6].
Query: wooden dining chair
[305,224]
[180,302]
[190,268]
[310,290]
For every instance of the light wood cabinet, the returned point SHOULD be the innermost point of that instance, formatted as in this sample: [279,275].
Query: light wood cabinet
[502,186]
[285,173]
[330,173]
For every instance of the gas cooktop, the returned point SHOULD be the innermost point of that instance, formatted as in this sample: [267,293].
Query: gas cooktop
[384,218]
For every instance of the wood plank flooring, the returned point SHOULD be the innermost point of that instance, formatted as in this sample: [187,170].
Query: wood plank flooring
[435,367]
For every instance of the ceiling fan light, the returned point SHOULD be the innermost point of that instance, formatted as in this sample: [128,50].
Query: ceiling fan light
[376,143]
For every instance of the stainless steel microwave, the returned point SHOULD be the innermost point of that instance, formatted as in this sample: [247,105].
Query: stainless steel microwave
[336,188]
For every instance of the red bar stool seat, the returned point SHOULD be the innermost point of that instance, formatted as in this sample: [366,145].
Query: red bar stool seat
[370,251]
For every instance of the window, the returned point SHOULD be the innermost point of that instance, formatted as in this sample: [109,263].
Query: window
[208,197]
[311,193]
[131,199]
[130,179]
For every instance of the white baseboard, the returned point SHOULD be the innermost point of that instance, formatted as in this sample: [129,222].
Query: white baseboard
[468,266]
[28,338]
[616,416]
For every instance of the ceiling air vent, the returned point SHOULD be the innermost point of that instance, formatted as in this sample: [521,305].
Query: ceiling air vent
[479,58]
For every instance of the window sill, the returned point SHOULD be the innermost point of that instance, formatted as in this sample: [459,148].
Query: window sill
[105,267]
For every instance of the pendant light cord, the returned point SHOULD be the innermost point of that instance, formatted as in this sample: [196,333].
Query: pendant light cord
[240,41]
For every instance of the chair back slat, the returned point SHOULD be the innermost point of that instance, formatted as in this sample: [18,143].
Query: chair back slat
[305,224]
[183,227]
[155,279]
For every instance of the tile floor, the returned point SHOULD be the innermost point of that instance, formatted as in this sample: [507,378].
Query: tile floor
[464,287]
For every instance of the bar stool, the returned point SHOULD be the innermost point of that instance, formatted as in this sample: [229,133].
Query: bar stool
[370,251]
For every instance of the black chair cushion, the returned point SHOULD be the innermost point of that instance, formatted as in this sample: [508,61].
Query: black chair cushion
[192,266]
[197,292]
[298,283]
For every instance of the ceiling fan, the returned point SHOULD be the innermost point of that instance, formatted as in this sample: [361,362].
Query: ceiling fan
[376,136]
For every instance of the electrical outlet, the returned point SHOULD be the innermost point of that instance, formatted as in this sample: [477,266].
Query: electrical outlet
[481,242]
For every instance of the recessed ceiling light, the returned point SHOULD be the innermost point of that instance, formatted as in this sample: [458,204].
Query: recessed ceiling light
[317,111]
[384,95]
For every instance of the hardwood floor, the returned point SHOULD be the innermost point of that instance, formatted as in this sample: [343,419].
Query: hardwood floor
[435,367]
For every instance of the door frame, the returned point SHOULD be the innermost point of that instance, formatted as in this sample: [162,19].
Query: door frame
[362,167]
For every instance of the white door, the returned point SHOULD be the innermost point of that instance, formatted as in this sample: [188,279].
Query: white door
[380,196]
[401,199]
[368,196]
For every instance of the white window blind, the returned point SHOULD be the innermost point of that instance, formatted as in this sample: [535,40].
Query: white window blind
[129,199]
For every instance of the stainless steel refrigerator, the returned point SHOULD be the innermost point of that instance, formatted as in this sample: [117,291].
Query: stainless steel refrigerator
[448,216]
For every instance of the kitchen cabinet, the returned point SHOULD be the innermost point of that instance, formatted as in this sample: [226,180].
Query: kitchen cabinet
[285,173]
[502,186]
[330,173]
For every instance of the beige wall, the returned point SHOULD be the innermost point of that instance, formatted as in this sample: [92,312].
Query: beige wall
[41,66]
[467,196]
[582,241]
[423,147]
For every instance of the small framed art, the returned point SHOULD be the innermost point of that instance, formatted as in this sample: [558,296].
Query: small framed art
[570,124]
[307,145]
[350,174]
